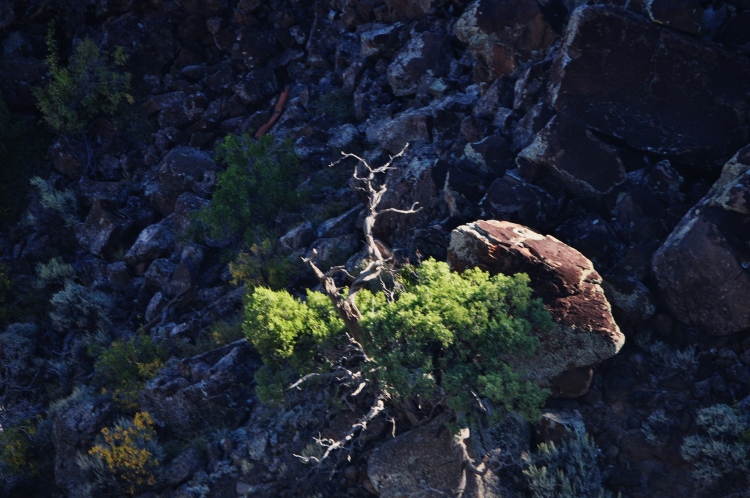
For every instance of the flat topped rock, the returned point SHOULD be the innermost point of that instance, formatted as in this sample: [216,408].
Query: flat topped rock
[585,332]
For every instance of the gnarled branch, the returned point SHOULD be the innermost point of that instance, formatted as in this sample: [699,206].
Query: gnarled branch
[345,306]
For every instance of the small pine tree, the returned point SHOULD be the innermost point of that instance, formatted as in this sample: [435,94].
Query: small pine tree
[89,86]
[444,333]
[260,179]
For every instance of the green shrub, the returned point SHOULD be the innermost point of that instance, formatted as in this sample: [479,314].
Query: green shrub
[670,362]
[60,204]
[16,350]
[89,86]
[79,309]
[444,333]
[123,369]
[567,471]
[337,104]
[16,451]
[260,265]
[259,180]
[722,452]
[657,427]
[53,272]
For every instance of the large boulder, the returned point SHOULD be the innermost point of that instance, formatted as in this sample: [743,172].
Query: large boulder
[585,332]
[101,231]
[703,268]
[155,241]
[656,90]
[408,463]
[574,157]
[183,169]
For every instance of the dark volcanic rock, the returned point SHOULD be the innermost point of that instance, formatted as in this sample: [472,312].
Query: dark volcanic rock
[657,90]
[257,86]
[595,238]
[685,15]
[702,269]
[101,231]
[512,199]
[153,242]
[424,57]
[574,156]
[254,47]
[585,332]
[503,33]
[204,391]
[182,170]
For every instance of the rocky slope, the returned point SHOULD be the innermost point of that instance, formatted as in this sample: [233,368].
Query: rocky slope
[600,147]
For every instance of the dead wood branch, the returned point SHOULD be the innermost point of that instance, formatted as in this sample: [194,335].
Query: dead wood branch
[277,110]
[360,426]
[345,306]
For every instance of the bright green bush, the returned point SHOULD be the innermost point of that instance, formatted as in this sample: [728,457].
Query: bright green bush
[259,180]
[123,369]
[89,86]
[445,333]
[721,453]
[565,471]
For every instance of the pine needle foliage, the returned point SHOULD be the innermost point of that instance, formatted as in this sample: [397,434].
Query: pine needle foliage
[445,335]
[89,86]
[259,180]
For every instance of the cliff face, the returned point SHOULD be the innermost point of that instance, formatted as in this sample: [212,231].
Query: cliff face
[611,137]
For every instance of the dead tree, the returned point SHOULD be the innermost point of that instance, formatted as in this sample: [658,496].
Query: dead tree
[378,261]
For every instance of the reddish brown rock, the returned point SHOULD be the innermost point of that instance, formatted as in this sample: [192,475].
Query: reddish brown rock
[702,269]
[585,332]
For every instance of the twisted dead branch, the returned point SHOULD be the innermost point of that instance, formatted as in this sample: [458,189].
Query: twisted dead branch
[378,261]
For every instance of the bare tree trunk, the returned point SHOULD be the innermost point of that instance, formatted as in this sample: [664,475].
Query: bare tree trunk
[346,306]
